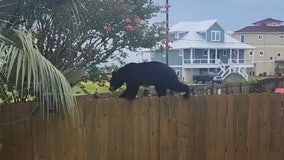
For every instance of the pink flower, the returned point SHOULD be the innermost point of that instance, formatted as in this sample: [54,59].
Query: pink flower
[145,60]
[128,20]
[129,28]
[170,40]
[137,19]
[108,29]
[120,1]
[167,6]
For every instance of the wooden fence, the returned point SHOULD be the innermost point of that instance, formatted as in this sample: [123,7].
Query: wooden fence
[226,127]
[266,85]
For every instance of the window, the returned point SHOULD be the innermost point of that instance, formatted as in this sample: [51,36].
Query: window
[180,52]
[177,36]
[178,73]
[281,36]
[271,58]
[243,38]
[215,35]
[224,53]
[250,53]
[260,37]
[204,52]
[261,53]
[278,54]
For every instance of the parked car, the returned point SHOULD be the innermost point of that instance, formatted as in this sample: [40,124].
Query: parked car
[209,77]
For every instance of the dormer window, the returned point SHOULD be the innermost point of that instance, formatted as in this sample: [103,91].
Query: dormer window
[177,36]
[215,35]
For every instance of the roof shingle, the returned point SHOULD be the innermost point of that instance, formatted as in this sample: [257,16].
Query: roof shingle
[268,20]
[261,29]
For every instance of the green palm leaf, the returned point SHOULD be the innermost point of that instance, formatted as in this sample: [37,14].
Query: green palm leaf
[35,73]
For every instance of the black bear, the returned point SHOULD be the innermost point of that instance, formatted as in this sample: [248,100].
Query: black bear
[158,74]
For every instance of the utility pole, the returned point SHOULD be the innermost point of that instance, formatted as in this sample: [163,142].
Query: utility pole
[167,6]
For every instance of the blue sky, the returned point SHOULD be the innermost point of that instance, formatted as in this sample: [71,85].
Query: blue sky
[231,14]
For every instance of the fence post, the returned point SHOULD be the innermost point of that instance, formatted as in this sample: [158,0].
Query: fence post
[276,83]
[241,87]
[193,91]
[227,89]
[212,89]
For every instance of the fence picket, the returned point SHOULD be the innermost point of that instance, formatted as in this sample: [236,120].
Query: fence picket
[264,127]
[200,128]
[164,129]
[254,102]
[137,130]
[221,127]
[145,134]
[211,125]
[231,128]
[282,130]
[128,129]
[112,131]
[242,122]
[191,153]
[173,128]
[154,111]
[275,127]
[182,128]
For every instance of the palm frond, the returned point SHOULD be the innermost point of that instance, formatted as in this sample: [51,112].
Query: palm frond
[34,72]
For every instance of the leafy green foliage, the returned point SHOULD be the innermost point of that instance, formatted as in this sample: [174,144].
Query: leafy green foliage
[28,72]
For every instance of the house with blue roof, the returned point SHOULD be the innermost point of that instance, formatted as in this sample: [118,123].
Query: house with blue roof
[204,46]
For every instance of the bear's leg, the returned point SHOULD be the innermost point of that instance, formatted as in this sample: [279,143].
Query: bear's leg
[131,91]
[161,90]
[180,87]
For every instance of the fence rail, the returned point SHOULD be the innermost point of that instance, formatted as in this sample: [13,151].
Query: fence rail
[231,127]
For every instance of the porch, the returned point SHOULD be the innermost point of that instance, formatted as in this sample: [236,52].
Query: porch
[215,56]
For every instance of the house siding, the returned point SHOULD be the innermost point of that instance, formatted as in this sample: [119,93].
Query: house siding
[174,57]
[159,57]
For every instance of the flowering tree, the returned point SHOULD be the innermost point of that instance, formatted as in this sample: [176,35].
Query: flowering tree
[106,29]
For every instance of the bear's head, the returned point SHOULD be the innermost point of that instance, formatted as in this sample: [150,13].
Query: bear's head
[116,81]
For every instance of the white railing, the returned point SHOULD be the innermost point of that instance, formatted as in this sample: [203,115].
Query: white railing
[201,61]
[239,61]
[234,69]
[222,67]
[216,61]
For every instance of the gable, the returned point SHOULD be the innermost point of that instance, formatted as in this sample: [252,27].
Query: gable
[215,33]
